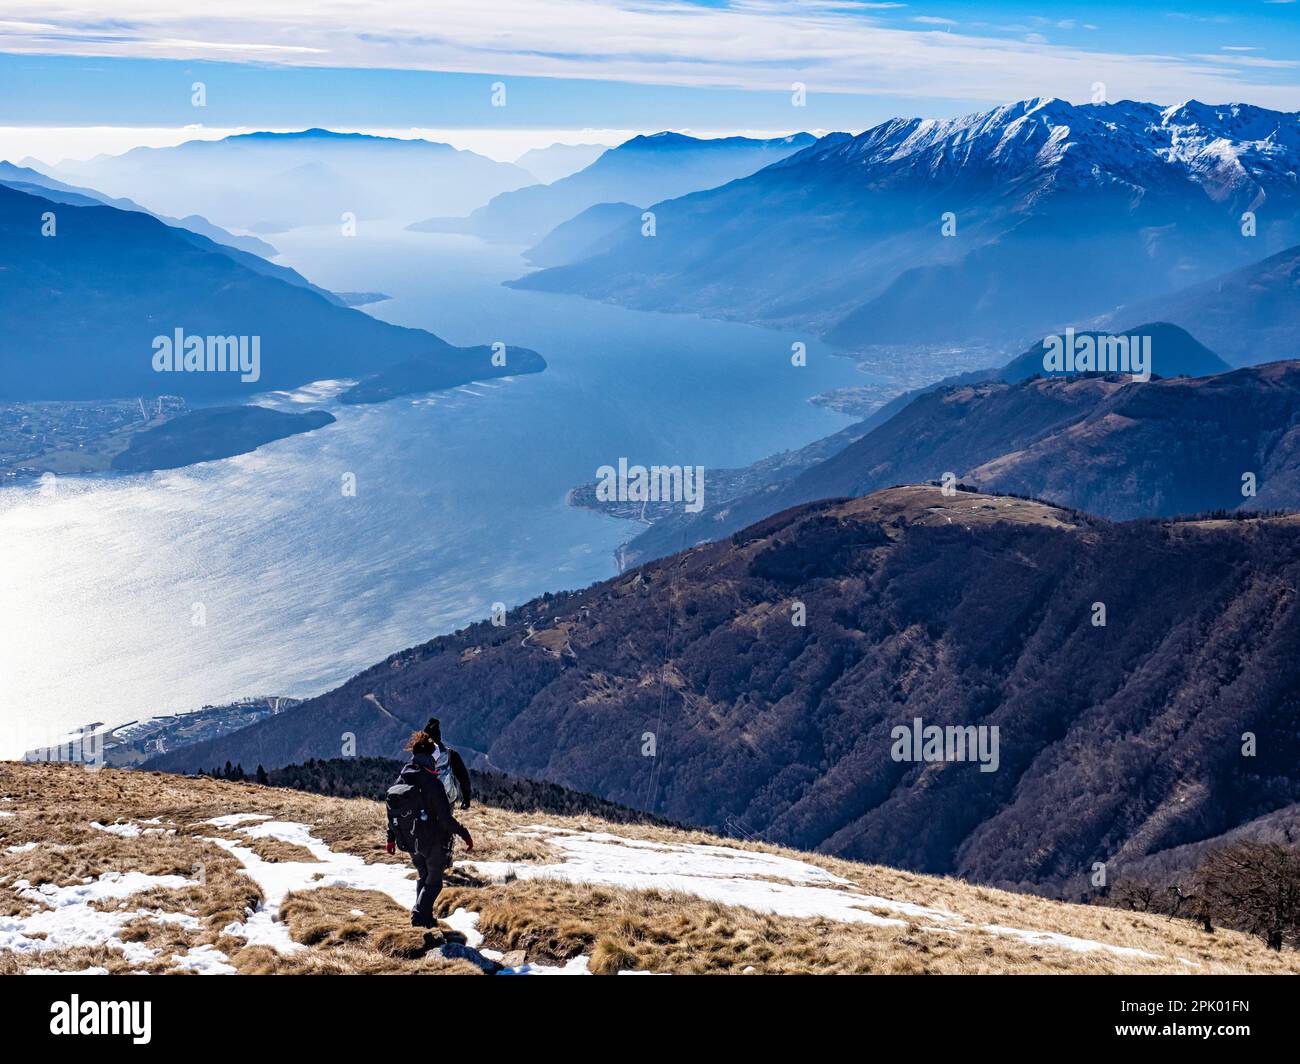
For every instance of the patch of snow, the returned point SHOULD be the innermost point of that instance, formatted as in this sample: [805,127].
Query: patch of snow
[261,928]
[68,919]
[466,923]
[231,819]
[576,966]
[1052,938]
[26,847]
[108,885]
[761,882]
[5,812]
[206,960]
[126,831]
[51,971]
[278,878]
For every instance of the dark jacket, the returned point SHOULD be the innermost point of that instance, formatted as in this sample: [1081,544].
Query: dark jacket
[435,833]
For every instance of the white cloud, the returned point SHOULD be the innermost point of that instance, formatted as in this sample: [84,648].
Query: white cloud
[1256,61]
[831,45]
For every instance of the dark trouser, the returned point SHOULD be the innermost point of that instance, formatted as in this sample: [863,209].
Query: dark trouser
[428,884]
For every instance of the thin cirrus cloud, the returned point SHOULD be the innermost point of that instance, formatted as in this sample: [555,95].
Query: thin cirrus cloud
[830,45]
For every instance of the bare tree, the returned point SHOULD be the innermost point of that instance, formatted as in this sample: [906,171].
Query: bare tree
[1253,887]
[1136,894]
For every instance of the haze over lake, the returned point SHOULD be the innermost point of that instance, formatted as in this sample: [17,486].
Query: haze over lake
[459,502]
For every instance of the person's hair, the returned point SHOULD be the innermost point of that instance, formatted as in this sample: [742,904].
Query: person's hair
[433,729]
[421,742]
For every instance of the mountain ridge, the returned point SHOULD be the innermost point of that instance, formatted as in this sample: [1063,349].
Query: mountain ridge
[983,226]
[86,306]
[257,180]
[639,171]
[962,610]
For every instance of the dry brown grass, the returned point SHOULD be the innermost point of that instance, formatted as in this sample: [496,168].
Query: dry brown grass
[545,921]
[276,850]
[647,931]
[377,942]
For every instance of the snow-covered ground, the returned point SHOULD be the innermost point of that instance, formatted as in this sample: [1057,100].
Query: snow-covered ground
[762,882]
[66,917]
[133,829]
[276,879]
[279,878]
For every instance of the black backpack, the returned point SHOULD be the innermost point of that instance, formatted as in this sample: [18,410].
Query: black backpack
[405,806]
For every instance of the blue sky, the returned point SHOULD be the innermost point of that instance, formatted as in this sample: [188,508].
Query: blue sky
[626,64]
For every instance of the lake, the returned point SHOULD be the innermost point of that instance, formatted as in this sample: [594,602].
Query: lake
[459,497]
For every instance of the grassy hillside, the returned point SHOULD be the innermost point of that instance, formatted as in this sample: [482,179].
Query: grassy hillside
[123,871]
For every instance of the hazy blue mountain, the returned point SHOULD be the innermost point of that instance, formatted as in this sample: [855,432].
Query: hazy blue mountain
[1250,315]
[584,233]
[274,181]
[642,170]
[194,228]
[559,160]
[1174,353]
[27,179]
[82,311]
[1061,212]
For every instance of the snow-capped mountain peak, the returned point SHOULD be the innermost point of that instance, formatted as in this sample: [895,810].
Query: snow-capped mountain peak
[1234,152]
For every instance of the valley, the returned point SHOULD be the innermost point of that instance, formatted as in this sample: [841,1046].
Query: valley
[864,550]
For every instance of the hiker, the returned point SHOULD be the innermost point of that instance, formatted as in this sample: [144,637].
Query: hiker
[457,782]
[452,772]
[420,823]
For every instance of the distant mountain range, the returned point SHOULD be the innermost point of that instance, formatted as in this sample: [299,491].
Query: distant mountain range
[25,179]
[83,310]
[559,160]
[1056,212]
[592,229]
[268,182]
[1115,741]
[640,171]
